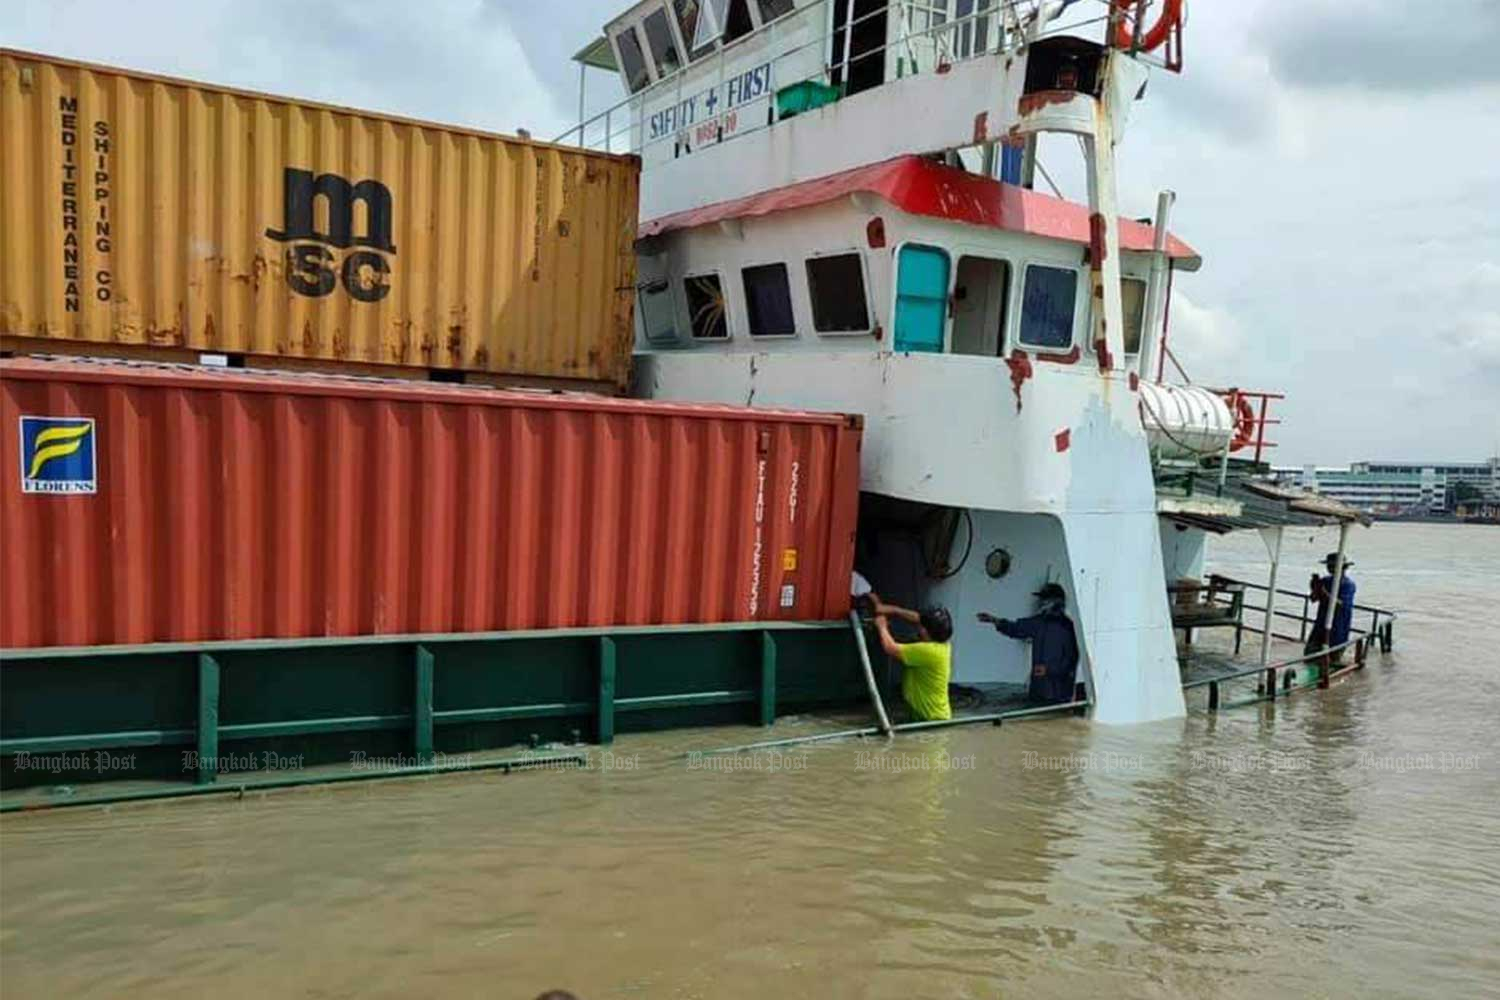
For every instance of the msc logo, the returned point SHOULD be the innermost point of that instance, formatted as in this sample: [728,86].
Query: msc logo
[57,455]
[312,266]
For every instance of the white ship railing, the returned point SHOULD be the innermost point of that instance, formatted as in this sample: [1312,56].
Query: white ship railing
[620,128]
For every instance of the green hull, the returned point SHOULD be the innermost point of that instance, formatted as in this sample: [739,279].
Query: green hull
[189,712]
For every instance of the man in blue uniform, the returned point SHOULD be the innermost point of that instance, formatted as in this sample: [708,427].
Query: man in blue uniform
[1054,645]
[1343,609]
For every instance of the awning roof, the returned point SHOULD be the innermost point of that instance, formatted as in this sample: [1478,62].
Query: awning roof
[923,187]
[597,54]
[1245,503]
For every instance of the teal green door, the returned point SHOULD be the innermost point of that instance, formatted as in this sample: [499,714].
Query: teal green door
[921,298]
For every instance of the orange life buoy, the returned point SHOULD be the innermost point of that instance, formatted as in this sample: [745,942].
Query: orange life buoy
[1244,423]
[1152,37]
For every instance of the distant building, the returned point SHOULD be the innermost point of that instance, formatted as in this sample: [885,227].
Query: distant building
[1398,487]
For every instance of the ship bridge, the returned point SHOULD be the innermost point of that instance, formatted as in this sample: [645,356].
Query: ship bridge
[838,212]
[831,85]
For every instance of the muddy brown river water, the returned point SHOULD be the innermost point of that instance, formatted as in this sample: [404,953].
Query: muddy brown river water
[1337,844]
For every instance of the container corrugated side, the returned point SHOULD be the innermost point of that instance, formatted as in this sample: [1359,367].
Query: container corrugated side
[149,215]
[229,505]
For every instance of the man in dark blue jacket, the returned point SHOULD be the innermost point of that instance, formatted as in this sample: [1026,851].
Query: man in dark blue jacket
[1054,645]
[1342,620]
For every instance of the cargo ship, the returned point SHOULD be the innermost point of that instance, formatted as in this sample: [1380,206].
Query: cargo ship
[248,508]
[840,211]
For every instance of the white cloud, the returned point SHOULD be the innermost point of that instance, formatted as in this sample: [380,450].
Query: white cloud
[452,61]
[1208,341]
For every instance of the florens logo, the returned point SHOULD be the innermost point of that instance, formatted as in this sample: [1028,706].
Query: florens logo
[57,455]
[318,261]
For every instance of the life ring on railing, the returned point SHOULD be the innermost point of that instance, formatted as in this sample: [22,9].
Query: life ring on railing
[1152,37]
[1244,422]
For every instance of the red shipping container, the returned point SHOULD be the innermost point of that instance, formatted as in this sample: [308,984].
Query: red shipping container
[152,503]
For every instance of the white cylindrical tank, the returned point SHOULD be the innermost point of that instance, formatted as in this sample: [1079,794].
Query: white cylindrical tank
[1185,421]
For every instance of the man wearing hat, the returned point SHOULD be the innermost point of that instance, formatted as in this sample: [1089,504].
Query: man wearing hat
[1343,610]
[1054,644]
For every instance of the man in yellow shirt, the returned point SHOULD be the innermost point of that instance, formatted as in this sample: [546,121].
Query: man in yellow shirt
[927,663]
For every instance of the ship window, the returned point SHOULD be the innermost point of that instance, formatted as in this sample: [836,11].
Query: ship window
[1133,306]
[980,289]
[712,16]
[663,47]
[658,318]
[737,22]
[632,61]
[689,13]
[922,275]
[706,311]
[1047,307]
[837,288]
[972,31]
[770,10]
[865,44]
[768,301]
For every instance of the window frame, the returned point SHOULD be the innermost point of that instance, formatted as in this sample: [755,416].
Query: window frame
[1125,320]
[752,11]
[692,55]
[864,278]
[669,18]
[713,272]
[640,297]
[1020,311]
[615,31]
[791,301]
[635,21]
[759,14]
[1009,290]
[895,289]
[967,42]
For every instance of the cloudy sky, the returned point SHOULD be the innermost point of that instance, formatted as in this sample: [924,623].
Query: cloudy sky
[1337,165]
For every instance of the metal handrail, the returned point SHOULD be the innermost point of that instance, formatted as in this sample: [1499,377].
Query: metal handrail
[1008,25]
[1297,593]
[1379,617]
[677,78]
[1382,623]
[1257,669]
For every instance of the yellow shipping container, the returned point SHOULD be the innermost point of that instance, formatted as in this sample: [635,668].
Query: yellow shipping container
[160,217]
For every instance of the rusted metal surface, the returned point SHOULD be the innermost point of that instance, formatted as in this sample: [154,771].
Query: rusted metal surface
[229,505]
[145,213]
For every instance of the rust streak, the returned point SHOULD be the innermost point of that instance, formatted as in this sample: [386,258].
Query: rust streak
[1020,371]
[1039,99]
[1096,241]
[1071,358]
[1101,350]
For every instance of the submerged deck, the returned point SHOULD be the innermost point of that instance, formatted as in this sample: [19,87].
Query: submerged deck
[101,726]
[1226,671]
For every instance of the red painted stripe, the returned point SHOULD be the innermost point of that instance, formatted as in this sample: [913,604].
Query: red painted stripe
[922,187]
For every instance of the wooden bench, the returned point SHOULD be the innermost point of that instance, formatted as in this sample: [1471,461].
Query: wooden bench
[1197,605]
